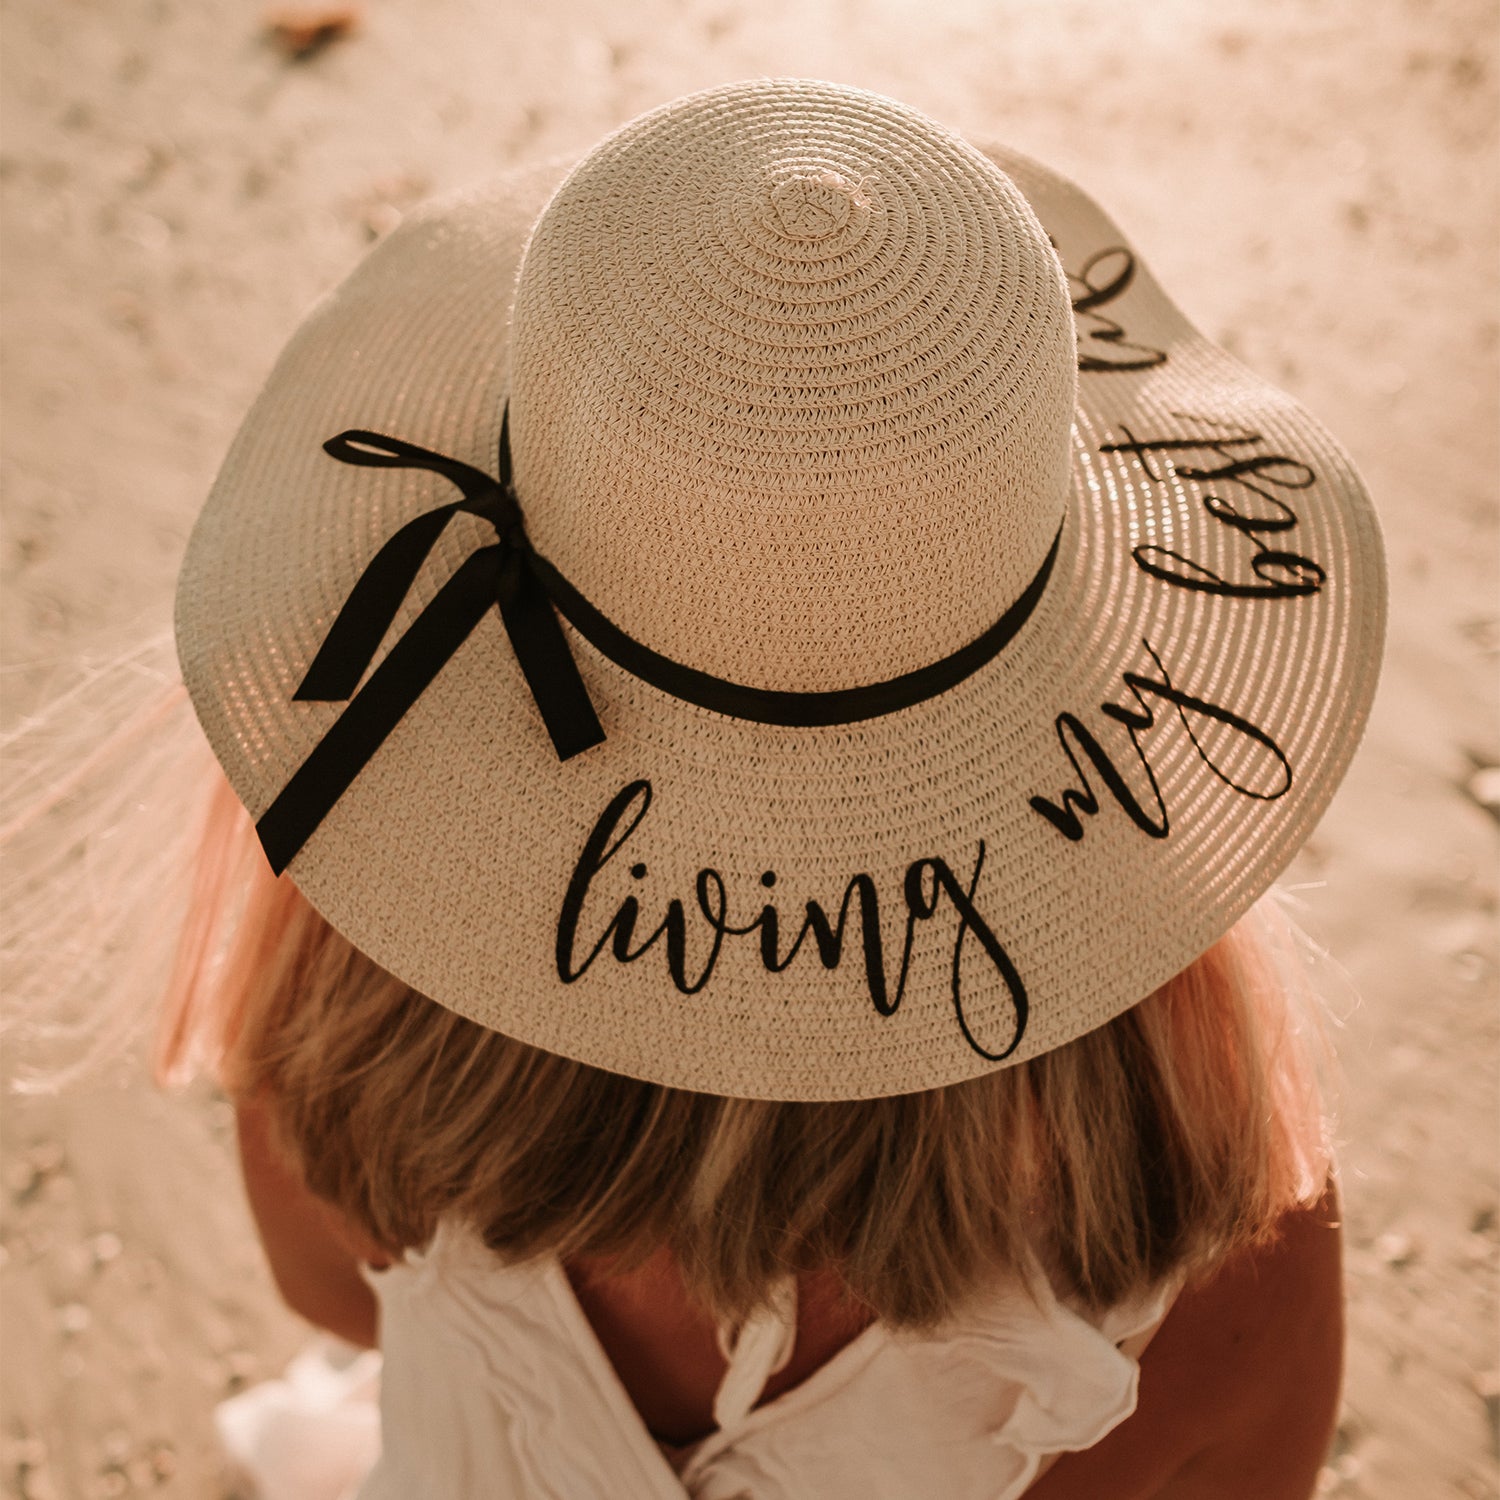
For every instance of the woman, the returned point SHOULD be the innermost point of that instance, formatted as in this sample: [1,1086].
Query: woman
[762,970]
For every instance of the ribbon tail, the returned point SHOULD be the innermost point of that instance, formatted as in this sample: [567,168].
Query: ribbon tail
[373,712]
[361,625]
[541,649]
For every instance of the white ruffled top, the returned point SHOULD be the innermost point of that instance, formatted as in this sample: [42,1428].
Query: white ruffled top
[495,1386]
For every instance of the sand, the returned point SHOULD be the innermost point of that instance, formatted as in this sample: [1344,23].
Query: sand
[1316,183]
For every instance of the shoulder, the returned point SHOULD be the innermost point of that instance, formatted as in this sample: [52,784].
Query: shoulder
[1239,1388]
[1265,1337]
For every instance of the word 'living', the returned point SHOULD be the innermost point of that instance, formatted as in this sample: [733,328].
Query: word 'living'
[928,885]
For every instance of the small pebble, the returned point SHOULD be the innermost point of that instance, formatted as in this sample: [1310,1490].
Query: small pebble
[1484,787]
[104,1248]
[163,1462]
[1396,1249]
[116,1445]
[149,232]
[1351,1430]
[1483,631]
[380,219]
[73,1318]
[127,311]
[147,164]
[1471,966]
[301,32]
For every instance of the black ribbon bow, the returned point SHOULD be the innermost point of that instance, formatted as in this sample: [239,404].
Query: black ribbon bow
[530,594]
[504,573]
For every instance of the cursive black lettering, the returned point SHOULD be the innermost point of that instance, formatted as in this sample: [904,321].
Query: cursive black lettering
[1102,345]
[925,883]
[828,938]
[1145,691]
[969,921]
[1276,572]
[1081,798]
[601,846]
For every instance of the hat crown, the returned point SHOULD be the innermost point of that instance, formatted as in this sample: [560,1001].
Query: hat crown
[793,378]
[813,205]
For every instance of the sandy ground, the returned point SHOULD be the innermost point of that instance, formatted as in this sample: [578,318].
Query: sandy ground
[1316,182]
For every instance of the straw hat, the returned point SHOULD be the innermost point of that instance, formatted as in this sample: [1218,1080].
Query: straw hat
[719,613]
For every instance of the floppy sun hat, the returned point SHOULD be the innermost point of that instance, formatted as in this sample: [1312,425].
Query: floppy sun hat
[785,608]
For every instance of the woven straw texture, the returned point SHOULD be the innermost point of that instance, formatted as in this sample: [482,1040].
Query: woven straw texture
[793,401]
[779,353]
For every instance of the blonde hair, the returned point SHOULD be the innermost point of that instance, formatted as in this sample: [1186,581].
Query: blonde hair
[1149,1148]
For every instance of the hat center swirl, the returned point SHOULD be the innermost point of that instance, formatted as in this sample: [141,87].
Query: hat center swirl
[813,205]
[792,387]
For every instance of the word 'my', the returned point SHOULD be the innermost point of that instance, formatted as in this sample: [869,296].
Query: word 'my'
[1238,740]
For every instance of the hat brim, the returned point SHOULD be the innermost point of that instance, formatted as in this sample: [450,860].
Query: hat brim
[994,871]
